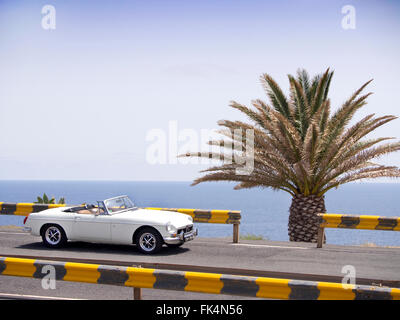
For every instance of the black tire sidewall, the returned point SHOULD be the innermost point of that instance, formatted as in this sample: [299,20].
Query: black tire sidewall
[157,236]
[62,241]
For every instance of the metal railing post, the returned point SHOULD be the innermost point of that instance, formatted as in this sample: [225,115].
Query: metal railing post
[235,233]
[137,293]
[320,239]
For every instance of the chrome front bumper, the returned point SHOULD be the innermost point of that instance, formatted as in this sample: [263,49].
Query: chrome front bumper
[182,237]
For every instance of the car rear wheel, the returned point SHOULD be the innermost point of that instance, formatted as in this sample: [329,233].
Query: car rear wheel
[149,241]
[53,236]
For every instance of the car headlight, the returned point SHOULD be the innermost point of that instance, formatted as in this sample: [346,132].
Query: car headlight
[190,218]
[171,228]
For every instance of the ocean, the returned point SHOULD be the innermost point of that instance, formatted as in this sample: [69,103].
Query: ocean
[264,212]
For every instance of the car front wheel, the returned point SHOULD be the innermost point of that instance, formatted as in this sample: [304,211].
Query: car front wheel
[53,236]
[149,241]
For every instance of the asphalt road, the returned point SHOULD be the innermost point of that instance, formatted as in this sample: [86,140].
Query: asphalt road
[380,263]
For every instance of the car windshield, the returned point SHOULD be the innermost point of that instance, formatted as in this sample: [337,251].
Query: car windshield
[118,204]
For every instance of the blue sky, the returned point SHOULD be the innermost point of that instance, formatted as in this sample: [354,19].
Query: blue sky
[77,102]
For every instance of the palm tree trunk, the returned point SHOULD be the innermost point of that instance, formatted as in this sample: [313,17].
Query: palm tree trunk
[303,219]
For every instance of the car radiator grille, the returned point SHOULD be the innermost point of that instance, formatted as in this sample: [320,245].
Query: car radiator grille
[186,229]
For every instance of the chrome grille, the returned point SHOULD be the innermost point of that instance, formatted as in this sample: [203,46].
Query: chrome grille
[187,229]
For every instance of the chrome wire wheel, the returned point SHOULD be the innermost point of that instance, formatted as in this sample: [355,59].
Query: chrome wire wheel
[147,242]
[53,235]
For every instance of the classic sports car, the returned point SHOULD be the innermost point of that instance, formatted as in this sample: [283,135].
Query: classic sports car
[115,220]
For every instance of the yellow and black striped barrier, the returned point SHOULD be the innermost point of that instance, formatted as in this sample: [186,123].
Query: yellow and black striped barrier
[195,281]
[347,221]
[211,216]
[23,209]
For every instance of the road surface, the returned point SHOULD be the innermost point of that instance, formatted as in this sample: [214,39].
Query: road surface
[263,258]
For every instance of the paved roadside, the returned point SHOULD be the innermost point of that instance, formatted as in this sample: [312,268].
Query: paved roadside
[258,255]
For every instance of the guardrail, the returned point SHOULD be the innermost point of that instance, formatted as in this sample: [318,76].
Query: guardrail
[347,221]
[211,216]
[376,282]
[193,281]
[198,215]
[23,209]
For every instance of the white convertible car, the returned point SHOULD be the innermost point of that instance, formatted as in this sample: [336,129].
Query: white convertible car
[114,220]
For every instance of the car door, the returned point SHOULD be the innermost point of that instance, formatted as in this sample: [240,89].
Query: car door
[91,227]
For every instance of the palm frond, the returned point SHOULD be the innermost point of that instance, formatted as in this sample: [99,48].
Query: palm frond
[298,145]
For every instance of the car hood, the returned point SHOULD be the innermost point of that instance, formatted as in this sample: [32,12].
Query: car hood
[157,217]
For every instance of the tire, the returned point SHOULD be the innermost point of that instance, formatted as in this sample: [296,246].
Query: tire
[149,241]
[53,236]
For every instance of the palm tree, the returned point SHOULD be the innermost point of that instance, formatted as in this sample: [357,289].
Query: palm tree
[45,200]
[300,146]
